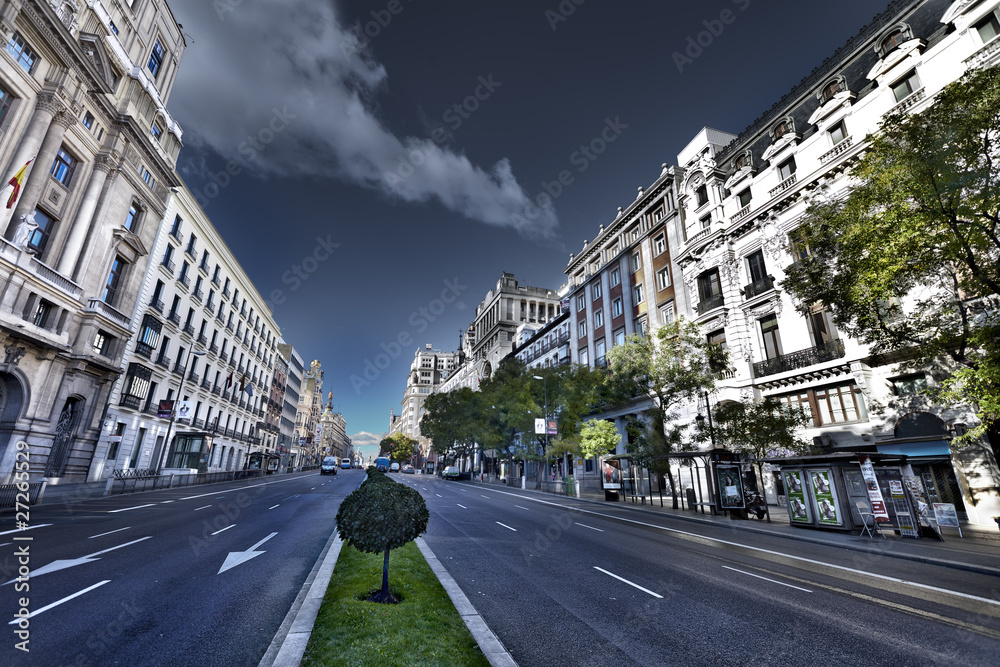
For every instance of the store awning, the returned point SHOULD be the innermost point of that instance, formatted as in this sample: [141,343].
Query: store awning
[925,449]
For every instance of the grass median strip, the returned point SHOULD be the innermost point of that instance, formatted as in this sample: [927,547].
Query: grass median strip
[422,629]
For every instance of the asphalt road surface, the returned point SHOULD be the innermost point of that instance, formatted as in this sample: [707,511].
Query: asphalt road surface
[193,576]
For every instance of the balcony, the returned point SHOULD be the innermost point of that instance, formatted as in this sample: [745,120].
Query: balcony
[711,303]
[107,312]
[801,359]
[157,305]
[784,185]
[175,318]
[189,329]
[217,390]
[206,383]
[742,213]
[202,340]
[909,102]
[185,280]
[178,369]
[163,362]
[168,265]
[837,150]
[198,295]
[758,287]
[213,348]
[131,402]
[215,280]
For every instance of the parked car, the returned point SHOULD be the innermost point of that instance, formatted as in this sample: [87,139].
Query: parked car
[329,466]
[451,472]
[394,467]
[408,469]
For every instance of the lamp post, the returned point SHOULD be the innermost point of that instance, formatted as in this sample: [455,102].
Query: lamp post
[545,390]
[173,410]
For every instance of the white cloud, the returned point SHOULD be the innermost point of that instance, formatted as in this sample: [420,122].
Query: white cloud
[285,88]
[367,440]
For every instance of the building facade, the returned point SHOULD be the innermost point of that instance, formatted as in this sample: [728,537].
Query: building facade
[293,367]
[308,430]
[83,94]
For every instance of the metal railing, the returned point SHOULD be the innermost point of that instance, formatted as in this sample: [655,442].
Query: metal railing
[135,480]
[13,494]
[801,359]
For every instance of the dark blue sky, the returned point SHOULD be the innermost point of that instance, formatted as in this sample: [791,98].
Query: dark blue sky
[532,83]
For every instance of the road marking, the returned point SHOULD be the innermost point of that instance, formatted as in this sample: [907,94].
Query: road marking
[702,538]
[273,506]
[6,544]
[644,590]
[773,581]
[205,507]
[462,506]
[57,565]
[252,486]
[439,495]
[109,532]
[59,602]
[223,529]
[506,526]
[21,530]
[239,557]
[126,509]
[586,526]
[313,489]
[164,502]
[522,508]
[219,498]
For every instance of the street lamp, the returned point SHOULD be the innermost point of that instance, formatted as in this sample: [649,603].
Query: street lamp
[173,410]
[545,390]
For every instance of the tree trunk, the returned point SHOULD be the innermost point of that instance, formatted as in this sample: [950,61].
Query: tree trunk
[385,576]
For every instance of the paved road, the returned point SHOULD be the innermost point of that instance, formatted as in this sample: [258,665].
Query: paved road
[193,576]
[568,583]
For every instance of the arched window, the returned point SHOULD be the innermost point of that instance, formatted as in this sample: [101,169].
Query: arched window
[783,127]
[742,162]
[831,89]
[895,37]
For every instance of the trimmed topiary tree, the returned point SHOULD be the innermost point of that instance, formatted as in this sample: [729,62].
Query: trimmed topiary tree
[379,516]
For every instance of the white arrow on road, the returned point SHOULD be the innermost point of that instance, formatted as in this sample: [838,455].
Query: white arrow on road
[239,557]
[57,565]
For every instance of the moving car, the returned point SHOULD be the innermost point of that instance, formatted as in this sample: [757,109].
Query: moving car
[329,466]
[451,472]
[408,469]
[345,464]
[382,464]
[394,467]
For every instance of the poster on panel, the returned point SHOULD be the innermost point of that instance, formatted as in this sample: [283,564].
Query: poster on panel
[611,474]
[730,487]
[827,509]
[798,508]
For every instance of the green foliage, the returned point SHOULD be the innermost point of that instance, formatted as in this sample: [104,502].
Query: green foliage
[398,447]
[758,429]
[381,514]
[923,223]
[450,422]
[598,437]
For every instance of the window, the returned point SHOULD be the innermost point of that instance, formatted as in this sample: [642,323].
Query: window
[659,244]
[88,120]
[22,53]
[616,307]
[102,343]
[786,169]
[175,230]
[132,217]
[706,221]
[620,336]
[741,162]
[147,177]
[769,334]
[756,267]
[639,293]
[63,167]
[42,311]
[6,99]
[640,328]
[581,302]
[598,319]
[114,280]
[744,198]
[909,385]
[801,402]
[782,128]
[799,245]
[667,312]
[701,195]
[988,28]
[636,261]
[663,278]
[616,277]
[583,329]
[584,356]
[149,335]
[908,85]
[155,130]
[894,39]
[40,237]
[838,133]
[716,350]
[114,28]
[192,245]
[155,58]
[599,352]
[821,329]
[709,285]
[840,404]
[831,89]
[596,291]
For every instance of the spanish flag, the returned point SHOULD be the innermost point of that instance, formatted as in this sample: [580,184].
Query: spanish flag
[17,181]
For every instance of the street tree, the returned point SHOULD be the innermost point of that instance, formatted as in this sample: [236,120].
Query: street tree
[398,447]
[379,516]
[920,228]
[452,422]
[672,367]
[598,437]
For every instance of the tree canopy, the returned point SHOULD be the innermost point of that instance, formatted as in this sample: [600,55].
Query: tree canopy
[398,447]
[907,261]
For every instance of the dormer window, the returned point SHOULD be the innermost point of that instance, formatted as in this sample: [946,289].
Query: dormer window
[701,195]
[742,162]
[988,28]
[895,38]
[782,128]
[831,89]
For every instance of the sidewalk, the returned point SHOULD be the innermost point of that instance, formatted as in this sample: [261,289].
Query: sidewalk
[977,551]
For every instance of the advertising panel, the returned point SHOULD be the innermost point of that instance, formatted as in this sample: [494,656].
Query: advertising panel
[165,409]
[798,508]
[611,474]
[827,508]
[539,426]
[945,514]
[874,493]
[730,487]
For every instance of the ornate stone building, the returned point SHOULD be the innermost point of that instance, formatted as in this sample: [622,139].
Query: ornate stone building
[83,94]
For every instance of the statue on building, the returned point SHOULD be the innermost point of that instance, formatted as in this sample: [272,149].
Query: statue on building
[67,11]
[24,231]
